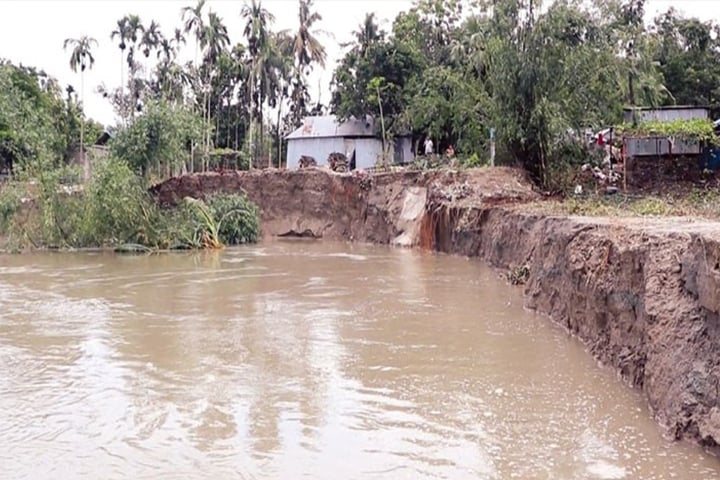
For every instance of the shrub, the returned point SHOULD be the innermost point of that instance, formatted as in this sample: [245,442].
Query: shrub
[116,210]
[10,202]
[473,161]
[238,218]
[116,205]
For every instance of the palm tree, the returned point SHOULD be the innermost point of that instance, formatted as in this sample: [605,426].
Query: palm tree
[166,50]
[178,39]
[215,37]
[214,40]
[151,38]
[123,32]
[368,33]
[135,28]
[193,22]
[241,89]
[307,49]
[283,65]
[256,31]
[81,57]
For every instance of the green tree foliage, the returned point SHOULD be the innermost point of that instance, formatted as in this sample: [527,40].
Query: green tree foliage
[548,75]
[38,126]
[115,210]
[159,142]
[688,54]
[395,62]
[538,73]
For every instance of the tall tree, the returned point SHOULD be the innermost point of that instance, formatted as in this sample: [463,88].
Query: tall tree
[688,53]
[81,58]
[282,70]
[151,38]
[194,23]
[367,34]
[123,33]
[214,41]
[256,31]
[307,50]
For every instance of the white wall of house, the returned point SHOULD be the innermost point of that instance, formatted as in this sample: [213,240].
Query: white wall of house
[367,150]
[404,144]
[318,148]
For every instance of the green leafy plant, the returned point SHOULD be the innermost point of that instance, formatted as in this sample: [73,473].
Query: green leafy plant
[698,129]
[473,161]
[238,218]
[207,228]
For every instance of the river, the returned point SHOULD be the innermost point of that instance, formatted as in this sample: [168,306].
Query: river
[297,359]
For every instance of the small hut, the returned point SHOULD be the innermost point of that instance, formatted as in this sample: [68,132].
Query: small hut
[358,140]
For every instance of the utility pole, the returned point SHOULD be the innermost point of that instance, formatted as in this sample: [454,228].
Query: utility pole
[492,147]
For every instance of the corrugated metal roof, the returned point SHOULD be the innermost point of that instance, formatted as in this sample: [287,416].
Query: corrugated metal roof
[328,127]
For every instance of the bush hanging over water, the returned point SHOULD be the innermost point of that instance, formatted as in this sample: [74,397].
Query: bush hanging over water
[115,210]
[238,218]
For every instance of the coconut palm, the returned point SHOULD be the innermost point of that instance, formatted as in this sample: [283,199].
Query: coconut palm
[306,46]
[306,50]
[257,21]
[368,32]
[81,58]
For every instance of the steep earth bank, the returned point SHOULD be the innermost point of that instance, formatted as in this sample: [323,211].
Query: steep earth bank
[643,295]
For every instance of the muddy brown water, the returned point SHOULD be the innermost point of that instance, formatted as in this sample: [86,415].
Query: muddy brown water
[304,360]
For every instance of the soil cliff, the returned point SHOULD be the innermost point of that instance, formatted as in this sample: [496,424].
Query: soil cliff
[644,296]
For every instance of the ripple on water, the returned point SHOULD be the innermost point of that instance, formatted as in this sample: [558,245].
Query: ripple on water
[328,367]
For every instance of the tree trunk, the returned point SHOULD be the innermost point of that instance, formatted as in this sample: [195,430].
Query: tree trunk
[217,120]
[122,84]
[382,125]
[237,128]
[262,126]
[86,167]
[251,146]
[279,140]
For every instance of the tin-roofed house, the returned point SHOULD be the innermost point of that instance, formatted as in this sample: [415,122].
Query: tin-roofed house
[358,140]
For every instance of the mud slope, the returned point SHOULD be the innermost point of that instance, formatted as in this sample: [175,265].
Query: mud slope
[644,296]
[382,208]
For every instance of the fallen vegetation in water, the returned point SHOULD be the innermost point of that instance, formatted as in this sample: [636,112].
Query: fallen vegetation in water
[114,210]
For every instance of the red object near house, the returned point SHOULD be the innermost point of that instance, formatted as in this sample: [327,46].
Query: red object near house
[601,140]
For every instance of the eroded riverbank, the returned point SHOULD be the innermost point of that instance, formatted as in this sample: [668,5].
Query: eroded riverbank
[643,295]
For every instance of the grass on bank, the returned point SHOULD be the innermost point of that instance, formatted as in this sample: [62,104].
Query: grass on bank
[114,210]
[696,203]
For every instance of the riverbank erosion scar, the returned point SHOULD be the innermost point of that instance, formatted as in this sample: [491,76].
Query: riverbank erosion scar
[643,295]
[380,208]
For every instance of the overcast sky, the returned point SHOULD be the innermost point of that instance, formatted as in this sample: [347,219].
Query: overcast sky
[33,31]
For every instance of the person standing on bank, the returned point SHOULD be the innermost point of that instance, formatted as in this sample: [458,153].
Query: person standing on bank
[428,146]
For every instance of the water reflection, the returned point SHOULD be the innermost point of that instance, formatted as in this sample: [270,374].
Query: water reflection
[303,359]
